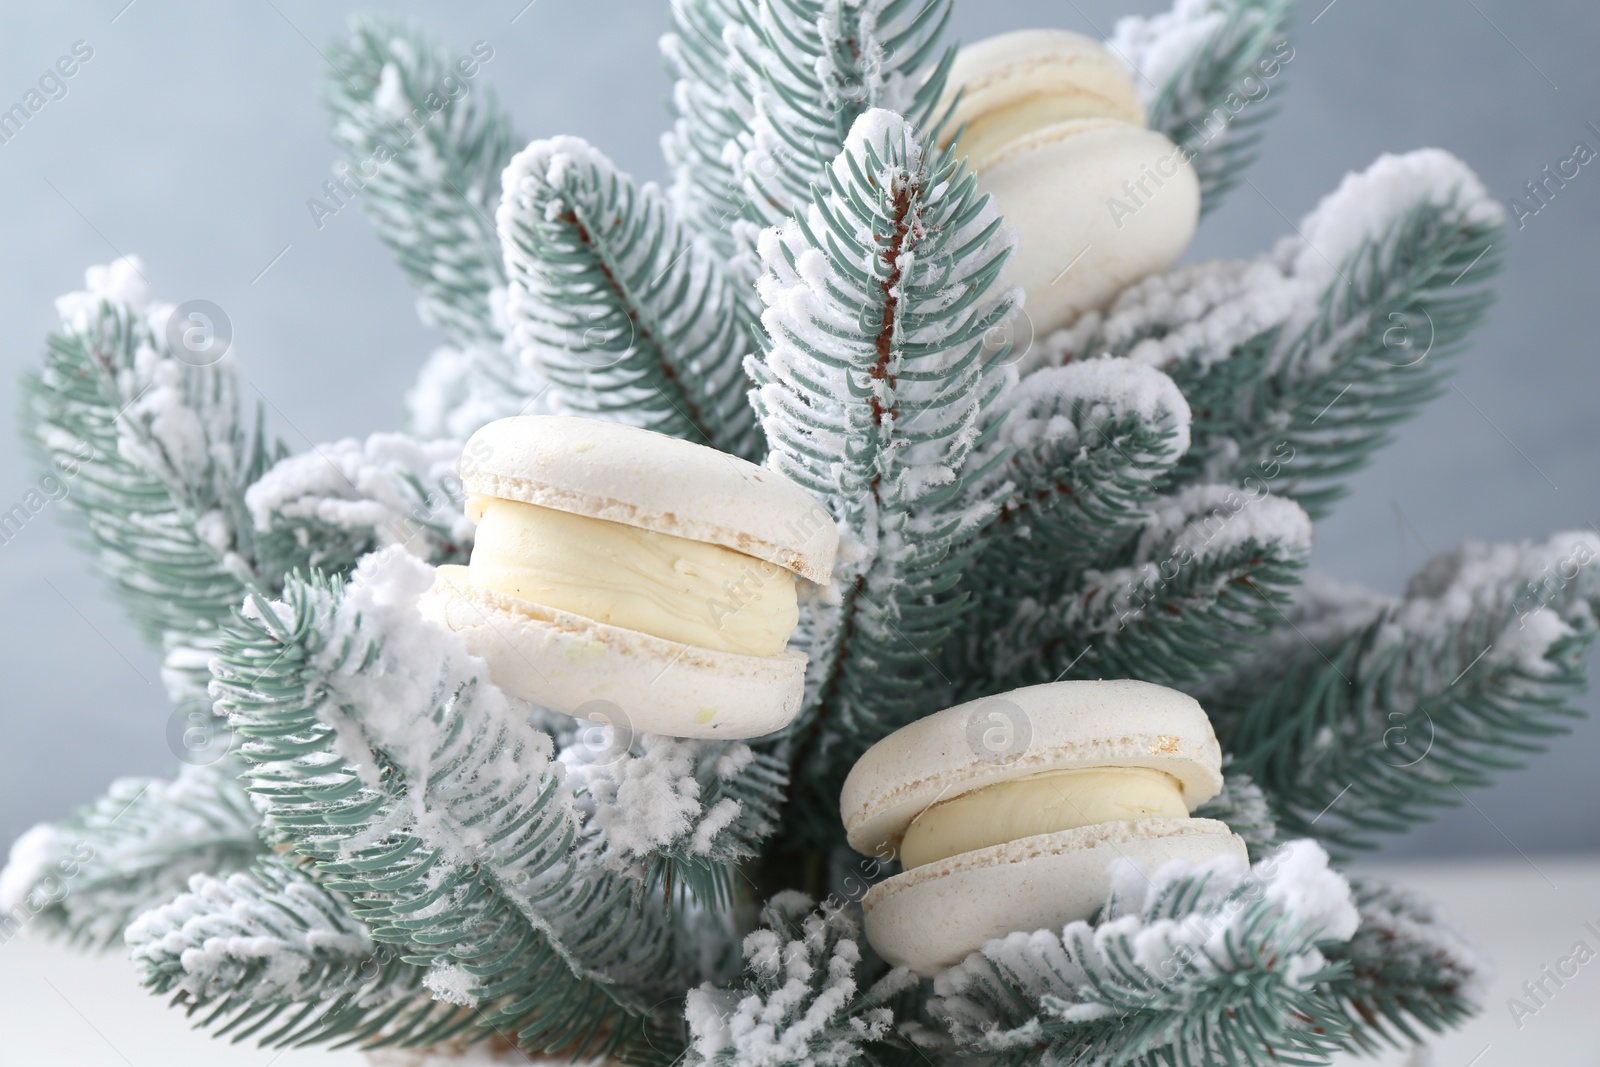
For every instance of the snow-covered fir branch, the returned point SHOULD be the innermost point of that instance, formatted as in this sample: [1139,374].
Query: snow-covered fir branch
[872,384]
[85,877]
[1206,69]
[383,753]
[424,142]
[1205,574]
[137,409]
[611,299]
[800,1002]
[1408,970]
[800,74]
[155,449]
[1246,810]
[460,389]
[1394,707]
[1086,449]
[272,954]
[708,118]
[1210,964]
[342,500]
[679,811]
[1299,362]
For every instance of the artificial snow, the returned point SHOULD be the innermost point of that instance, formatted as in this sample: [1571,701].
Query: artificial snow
[1057,405]
[887,135]
[1299,882]
[650,799]
[1212,520]
[223,929]
[452,984]
[459,390]
[122,281]
[371,485]
[32,856]
[801,988]
[1367,202]
[1157,48]
[155,833]
[642,802]
[1537,582]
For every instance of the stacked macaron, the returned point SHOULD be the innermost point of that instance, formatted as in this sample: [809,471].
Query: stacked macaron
[1006,812]
[1053,126]
[621,569]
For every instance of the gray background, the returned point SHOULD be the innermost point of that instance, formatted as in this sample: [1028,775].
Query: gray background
[195,135]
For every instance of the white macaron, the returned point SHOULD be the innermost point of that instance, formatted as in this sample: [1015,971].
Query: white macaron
[1054,128]
[1007,812]
[628,577]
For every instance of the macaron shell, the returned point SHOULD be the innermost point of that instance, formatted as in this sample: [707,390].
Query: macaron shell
[581,667]
[1019,69]
[1039,728]
[932,917]
[642,478]
[1061,188]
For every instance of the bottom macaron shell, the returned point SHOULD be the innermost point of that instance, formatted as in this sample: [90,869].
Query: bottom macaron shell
[1085,232]
[931,917]
[581,667]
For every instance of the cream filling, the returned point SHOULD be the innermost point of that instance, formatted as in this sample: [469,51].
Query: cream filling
[1040,804]
[674,588]
[987,134]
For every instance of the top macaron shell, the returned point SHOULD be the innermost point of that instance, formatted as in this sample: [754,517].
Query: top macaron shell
[1055,727]
[642,478]
[1012,69]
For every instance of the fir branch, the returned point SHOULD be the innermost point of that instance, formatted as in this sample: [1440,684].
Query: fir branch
[420,791]
[685,812]
[628,317]
[425,142]
[800,1002]
[1245,808]
[872,381]
[1212,964]
[459,390]
[424,145]
[274,955]
[84,878]
[709,116]
[1208,570]
[803,72]
[1407,970]
[340,501]
[1394,712]
[1298,365]
[185,507]
[158,456]
[1086,448]
[1356,370]
[1204,69]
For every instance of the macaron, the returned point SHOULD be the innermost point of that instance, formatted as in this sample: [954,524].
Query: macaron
[1053,126]
[1007,812]
[622,575]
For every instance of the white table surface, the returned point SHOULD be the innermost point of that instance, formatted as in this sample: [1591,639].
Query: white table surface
[60,1008]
